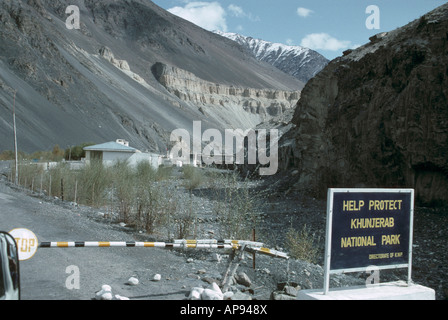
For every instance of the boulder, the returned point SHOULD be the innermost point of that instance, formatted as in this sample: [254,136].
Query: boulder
[105,293]
[196,293]
[157,277]
[132,281]
[212,292]
[243,279]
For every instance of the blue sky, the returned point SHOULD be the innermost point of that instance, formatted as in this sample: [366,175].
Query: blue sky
[327,26]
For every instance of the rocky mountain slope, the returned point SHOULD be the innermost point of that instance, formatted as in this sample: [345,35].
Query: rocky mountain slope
[300,62]
[97,83]
[378,116]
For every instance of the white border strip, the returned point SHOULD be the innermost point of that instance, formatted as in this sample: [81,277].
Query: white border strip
[328,243]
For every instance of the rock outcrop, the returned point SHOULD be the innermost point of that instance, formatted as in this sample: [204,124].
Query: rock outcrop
[378,116]
[237,106]
[107,54]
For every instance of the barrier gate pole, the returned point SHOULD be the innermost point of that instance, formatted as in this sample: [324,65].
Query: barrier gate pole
[251,246]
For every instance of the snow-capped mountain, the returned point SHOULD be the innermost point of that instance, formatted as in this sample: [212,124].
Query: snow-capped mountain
[302,63]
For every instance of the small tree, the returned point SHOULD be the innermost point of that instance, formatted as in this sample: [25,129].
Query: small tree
[57,154]
[76,152]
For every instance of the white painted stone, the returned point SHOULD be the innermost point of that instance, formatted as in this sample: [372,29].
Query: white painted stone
[228,295]
[213,292]
[157,277]
[105,293]
[106,296]
[195,293]
[132,281]
[216,288]
[209,294]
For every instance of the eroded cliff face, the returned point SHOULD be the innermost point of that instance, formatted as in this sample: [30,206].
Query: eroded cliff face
[238,107]
[378,116]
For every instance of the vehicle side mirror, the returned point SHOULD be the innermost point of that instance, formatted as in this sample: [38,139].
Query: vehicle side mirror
[9,268]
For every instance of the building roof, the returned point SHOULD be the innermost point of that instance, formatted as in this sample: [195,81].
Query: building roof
[111,147]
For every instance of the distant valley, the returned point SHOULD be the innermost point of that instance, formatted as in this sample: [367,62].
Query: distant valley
[101,82]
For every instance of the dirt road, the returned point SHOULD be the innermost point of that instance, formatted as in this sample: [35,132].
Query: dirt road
[45,275]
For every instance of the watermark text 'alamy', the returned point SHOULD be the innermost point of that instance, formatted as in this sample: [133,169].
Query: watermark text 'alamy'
[235,147]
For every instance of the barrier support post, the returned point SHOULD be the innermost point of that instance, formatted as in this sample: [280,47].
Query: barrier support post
[234,263]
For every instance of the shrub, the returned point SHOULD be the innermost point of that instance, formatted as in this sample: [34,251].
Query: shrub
[163,173]
[302,244]
[123,188]
[57,175]
[238,208]
[93,180]
[145,172]
[193,177]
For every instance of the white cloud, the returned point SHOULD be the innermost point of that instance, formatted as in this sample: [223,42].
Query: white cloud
[239,12]
[304,12]
[236,11]
[208,15]
[323,41]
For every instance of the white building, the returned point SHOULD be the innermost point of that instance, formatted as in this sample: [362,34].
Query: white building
[111,152]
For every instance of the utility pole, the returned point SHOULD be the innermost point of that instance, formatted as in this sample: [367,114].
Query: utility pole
[15,139]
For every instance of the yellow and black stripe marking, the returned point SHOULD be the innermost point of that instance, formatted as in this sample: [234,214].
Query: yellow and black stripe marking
[250,246]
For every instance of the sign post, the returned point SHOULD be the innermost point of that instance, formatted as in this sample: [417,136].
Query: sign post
[368,227]
[27,243]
